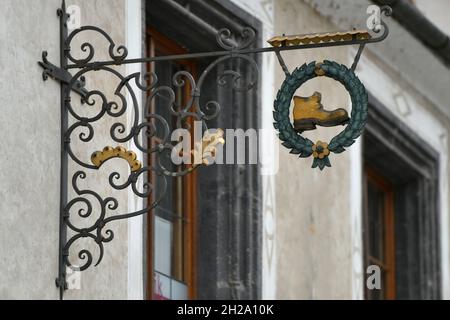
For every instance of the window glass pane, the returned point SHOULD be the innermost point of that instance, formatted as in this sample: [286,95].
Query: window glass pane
[163,245]
[376,222]
[179,290]
[171,256]
[161,287]
[375,294]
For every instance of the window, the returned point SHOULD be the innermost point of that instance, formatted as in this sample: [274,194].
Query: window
[225,226]
[401,230]
[172,224]
[379,238]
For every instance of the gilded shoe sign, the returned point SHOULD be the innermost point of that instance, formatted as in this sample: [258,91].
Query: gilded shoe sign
[308,112]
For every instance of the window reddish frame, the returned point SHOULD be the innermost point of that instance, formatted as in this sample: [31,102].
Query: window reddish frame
[160,44]
[377,180]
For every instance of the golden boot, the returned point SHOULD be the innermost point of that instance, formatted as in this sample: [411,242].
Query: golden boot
[309,112]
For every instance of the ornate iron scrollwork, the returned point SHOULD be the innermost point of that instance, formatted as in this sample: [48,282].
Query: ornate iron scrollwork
[77,127]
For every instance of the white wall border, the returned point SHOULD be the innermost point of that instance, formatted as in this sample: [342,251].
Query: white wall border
[356,187]
[133,12]
[264,11]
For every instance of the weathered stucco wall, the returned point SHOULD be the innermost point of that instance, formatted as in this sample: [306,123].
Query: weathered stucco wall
[389,71]
[321,258]
[30,165]
[314,245]
[29,175]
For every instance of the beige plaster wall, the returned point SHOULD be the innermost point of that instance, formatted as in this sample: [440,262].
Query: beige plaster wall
[30,164]
[317,242]
[29,175]
[314,248]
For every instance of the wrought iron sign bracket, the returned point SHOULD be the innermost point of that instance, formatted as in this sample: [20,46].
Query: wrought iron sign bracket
[73,122]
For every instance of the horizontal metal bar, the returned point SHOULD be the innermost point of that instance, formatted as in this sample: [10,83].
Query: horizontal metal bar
[225,53]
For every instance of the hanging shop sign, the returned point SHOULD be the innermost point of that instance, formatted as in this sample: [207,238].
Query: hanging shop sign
[307,114]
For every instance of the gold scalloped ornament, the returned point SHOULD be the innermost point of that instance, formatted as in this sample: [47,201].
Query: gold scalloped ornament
[100,157]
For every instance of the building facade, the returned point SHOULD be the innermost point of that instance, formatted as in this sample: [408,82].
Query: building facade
[277,229]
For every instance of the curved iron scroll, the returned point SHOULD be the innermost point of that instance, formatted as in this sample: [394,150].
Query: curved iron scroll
[89,205]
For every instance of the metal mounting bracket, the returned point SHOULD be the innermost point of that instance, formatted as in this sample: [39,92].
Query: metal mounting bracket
[61,75]
[237,47]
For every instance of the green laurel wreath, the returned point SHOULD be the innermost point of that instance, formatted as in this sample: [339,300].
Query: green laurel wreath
[303,146]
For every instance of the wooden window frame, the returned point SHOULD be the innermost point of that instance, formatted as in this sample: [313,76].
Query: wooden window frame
[189,182]
[388,265]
